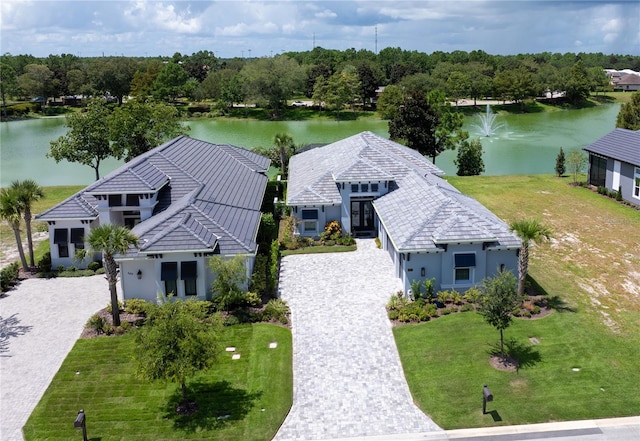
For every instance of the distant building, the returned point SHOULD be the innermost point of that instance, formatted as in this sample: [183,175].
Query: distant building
[614,163]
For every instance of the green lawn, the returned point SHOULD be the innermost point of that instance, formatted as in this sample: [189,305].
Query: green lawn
[97,375]
[592,268]
[446,362]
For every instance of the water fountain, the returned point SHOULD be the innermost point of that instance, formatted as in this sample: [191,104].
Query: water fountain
[488,125]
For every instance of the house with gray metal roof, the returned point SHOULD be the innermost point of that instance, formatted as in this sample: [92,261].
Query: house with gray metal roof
[614,163]
[377,188]
[186,200]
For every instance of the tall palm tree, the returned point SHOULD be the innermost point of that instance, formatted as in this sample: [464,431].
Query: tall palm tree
[28,192]
[110,240]
[11,210]
[528,230]
[286,147]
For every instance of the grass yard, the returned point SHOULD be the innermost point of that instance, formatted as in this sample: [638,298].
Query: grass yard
[592,266]
[98,376]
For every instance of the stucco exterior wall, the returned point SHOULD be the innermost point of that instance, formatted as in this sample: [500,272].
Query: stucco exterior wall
[56,259]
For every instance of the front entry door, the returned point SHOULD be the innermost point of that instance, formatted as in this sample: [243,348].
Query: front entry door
[362,217]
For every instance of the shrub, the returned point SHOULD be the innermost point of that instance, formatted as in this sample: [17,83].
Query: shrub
[378,244]
[72,272]
[536,309]
[448,310]
[136,306]
[431,309]
[467,307]
[100,271]
[108,329]
[8,276]
[526,313]
[44,264]
[259,277]
[250,298]
[119,306]
[276,309]
[472,295]
[94,266]
[393,314]
[96,323]
[444,296]
[456,297]
[333,228]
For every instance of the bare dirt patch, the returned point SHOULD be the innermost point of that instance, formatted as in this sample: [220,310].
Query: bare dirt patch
[504,363]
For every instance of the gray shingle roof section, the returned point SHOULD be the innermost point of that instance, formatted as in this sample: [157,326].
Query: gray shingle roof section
[366,156]
[620,144]
[425,211]
[210,197]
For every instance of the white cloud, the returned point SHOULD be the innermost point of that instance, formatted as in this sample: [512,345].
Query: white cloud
[327,13]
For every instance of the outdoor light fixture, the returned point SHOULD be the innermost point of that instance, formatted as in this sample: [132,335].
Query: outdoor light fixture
[139,274]
[81,423]
[422,271]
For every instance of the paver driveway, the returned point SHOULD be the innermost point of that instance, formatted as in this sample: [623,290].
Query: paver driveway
[348,380]
[40,321]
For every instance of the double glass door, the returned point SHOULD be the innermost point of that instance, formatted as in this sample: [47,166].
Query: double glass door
[362,216]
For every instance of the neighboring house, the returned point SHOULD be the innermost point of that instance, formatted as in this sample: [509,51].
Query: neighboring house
[186,200]
[378,188]
[614,163]
[629,83]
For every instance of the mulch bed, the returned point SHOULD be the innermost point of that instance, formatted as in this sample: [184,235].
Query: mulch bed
[106,315]
[504,363]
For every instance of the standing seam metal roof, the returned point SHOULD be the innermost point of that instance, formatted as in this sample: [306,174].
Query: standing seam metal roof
[620,144]
[210,196]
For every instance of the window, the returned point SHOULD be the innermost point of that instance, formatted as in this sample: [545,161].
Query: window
[597,170]
[464,264]
[309,221]
[115,200]
[133,200]
[374,188]
[355,188]
[365,188]
[169,275]
[77,238]
[189,274]
[131,218]
[61,238]
[636,183]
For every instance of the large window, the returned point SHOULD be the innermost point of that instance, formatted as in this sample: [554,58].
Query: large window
[189,275]
[169,275]
[133,200]
[464,266]
[309,221]
[597,170]
[61,239]
[636,183]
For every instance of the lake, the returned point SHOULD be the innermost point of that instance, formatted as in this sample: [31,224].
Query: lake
[526,144]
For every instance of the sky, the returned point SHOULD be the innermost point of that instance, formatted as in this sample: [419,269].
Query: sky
[246,28]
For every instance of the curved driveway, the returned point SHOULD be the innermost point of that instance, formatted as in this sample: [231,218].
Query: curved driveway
[40,320]
[347,377]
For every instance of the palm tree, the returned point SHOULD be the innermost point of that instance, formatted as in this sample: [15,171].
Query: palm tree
[28,192]
[528,230]
[11,210]
[110,240]
[286,147]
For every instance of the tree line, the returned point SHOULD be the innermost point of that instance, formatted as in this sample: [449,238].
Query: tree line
[335,78]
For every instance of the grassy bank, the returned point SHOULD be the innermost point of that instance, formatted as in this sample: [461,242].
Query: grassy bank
[591,266]
[238,399]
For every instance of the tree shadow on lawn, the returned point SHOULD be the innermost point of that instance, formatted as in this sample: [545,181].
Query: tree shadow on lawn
[524,355]
[218,404]
[553,302]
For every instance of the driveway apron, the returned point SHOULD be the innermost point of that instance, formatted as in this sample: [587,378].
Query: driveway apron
[40,320]
[348,380]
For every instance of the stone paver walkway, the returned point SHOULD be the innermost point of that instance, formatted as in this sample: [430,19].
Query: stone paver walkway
[40,321]
[347,380]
